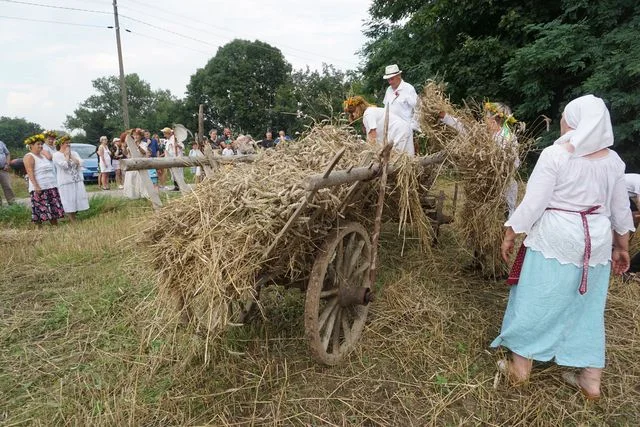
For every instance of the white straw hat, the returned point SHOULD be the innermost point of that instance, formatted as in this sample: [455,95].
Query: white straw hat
[390,71]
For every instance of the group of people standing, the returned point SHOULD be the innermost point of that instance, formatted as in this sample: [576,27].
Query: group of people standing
[146,145]
[54,174]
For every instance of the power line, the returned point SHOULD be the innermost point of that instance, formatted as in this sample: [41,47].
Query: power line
[153,25]
[56,7]
[46,21]
[226,39]
[191,19]
[167,30]
[166,41]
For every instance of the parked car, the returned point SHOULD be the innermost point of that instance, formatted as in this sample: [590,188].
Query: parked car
[88,154]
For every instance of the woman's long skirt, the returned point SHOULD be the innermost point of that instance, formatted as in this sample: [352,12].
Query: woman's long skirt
[74,197]
[547,318]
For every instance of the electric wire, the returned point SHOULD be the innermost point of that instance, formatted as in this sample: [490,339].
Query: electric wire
[148,24]
[191,19]
[47,21]
[76,9]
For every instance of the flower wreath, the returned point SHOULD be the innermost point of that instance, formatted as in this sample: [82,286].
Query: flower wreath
[352,102]
[39,137]
[495,110]
[63,139]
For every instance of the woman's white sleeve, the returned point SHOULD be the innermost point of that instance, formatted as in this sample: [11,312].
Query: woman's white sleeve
[453,122]
[621,219]
[539,192]
[61,162]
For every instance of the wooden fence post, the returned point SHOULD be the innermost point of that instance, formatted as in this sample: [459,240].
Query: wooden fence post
[200,123]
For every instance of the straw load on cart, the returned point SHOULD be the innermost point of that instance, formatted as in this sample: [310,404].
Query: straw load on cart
[298,216]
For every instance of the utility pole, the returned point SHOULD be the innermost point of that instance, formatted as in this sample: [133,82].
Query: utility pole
[123,87]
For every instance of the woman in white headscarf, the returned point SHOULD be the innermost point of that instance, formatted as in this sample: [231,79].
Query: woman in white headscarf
[574,212]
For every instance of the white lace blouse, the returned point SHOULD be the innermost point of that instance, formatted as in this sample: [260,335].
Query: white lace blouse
[562,181]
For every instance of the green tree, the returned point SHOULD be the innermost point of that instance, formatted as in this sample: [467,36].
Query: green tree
[13,132]
[101,114]
[312,96]
[239,86]
[535,56]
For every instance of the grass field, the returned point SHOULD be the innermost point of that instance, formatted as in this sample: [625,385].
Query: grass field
[76,346]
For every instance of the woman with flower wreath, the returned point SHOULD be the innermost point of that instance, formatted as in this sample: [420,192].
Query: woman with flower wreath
[69,177]
[500,121]
[576,218]
[373,121]
[49,146]
[45,199]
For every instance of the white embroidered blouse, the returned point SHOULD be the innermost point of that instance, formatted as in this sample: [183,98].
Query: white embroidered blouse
[563,181]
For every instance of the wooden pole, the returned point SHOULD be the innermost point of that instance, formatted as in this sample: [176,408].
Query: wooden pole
[200,123]
[386,152]
[318,181]
[180,162]
[213,166]
[123,86]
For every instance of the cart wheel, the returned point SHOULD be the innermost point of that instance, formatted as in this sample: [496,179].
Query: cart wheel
[337,294]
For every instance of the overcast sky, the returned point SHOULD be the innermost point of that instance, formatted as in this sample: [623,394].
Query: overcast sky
[47,68]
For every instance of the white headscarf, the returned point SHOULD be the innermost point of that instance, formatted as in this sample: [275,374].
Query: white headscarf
[589,118]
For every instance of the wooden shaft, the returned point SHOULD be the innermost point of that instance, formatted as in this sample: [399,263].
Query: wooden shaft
[318,181]
[384,164]
[200,123]
[177,162]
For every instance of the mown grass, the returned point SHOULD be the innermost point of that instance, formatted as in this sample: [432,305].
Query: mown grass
[77,348]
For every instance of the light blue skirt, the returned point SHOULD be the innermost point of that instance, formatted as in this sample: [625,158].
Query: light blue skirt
[547,318]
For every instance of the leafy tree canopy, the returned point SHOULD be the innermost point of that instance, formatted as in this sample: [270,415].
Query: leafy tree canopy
[239,86]
[13,132]
[534,55]
[101,114]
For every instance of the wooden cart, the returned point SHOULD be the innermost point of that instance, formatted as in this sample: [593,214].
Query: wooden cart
[338,287]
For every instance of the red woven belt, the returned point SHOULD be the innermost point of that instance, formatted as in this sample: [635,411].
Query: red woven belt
[514,274]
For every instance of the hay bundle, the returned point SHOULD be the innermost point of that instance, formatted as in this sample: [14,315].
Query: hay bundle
[208,247]
[485,168]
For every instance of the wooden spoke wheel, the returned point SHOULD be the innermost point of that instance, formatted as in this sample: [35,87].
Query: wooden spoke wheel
[338,294]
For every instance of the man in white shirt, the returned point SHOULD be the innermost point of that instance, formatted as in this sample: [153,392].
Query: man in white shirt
[401,97]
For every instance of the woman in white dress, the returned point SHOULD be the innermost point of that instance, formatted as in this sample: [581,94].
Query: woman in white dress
[104,156]
[133,188]
[373,121]
[69,176]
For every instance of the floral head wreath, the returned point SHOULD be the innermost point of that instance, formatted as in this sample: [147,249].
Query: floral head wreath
[50,133]
[39,137]
[63,139]
[494,109]
[352,102]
